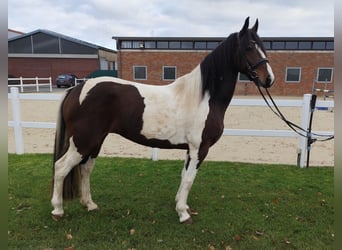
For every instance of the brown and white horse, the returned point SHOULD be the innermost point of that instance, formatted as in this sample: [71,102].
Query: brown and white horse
[186,114]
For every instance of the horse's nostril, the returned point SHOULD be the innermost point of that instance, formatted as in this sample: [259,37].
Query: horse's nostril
[268,81]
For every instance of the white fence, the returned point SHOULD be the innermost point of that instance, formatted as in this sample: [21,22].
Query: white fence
[18,124]
[38,83]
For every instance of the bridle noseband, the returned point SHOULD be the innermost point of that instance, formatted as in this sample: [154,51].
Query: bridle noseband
[252,67]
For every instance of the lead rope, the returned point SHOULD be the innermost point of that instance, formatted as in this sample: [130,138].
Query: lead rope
[297,129]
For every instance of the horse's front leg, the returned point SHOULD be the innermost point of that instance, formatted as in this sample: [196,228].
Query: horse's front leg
[86,199]
[188,176]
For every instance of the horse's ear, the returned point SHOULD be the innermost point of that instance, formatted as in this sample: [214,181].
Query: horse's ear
[244,28]
[255,26]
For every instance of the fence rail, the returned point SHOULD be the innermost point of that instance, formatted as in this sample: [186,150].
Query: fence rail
[18,124]
[37,83]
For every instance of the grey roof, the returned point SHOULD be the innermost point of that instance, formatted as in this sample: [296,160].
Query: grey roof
[55,34]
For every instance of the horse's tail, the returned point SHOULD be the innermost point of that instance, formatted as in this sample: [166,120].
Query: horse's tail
[72,180]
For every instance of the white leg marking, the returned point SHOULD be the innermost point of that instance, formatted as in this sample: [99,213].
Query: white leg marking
[62,167]
[188,177]
[86,199]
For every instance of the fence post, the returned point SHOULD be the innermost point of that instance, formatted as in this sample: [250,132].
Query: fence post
[50,82]
[37,84]
[154,154]
[18,135]
[305,117]
[21,84]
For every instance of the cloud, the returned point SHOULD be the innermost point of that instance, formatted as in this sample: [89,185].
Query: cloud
[96,21]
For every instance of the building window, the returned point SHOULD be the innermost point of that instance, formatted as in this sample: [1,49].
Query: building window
[139,72]
[278,45]
[186,45]
[174,44]
[267,44]
[243,78]
[318,45]
[126,44]
[162,44]
[292,74]
[291,45]
[150,44]
[169,73]
[324,74]
[138,45]
[212,45]
[200,45]
[304,45]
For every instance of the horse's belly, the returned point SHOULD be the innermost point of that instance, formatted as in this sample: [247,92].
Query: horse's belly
[164,126]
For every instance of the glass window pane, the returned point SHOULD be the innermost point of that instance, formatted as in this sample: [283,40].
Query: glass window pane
[174,44]
[267,45]
[212,45]
[169,73]
[200,45]
[126,44]
[138,45]
[162,44]
[304,45]
[318,45]
[278,45]
[186,45]
[292,75]
[330,45]
[291,45]
[139,72]
[324,75]
[150,44]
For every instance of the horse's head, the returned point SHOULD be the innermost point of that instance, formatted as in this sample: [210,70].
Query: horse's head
[253,61]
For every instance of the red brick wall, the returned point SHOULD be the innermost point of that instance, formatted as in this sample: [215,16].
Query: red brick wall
[186,61]
[46,67]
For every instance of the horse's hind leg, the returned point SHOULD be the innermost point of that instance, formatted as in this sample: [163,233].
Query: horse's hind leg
[62,167]
[86,199]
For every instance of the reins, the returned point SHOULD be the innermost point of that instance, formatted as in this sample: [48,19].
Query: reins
[296,128]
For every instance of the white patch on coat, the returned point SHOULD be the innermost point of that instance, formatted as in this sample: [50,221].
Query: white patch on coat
[268,66]
[176,112]
[91,83]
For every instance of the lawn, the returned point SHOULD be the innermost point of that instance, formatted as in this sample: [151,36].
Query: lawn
[240,205]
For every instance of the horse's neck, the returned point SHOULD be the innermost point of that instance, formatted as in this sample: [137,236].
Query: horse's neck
[189,86]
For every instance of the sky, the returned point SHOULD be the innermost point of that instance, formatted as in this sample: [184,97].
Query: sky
[97,21]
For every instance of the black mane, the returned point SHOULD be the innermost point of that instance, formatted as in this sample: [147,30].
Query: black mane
[219,67]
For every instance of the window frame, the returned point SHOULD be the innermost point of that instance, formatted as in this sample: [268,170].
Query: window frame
[169,79]
[134,72]
[299,75]
[331,77]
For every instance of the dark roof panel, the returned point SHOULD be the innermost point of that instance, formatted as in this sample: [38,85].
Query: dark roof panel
[49,42]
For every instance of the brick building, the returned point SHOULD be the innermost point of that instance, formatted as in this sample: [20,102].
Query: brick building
[296,62]
[45,53]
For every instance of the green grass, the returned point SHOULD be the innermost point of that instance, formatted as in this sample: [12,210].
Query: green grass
[240,205]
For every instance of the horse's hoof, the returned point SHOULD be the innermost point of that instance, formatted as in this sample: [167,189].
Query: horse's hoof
[94,209]
[192,212]
[187,222]
[57,217]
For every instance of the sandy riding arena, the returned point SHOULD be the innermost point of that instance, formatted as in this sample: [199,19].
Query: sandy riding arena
[280,150]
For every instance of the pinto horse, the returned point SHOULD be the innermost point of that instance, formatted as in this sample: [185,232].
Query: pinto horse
[186,114]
